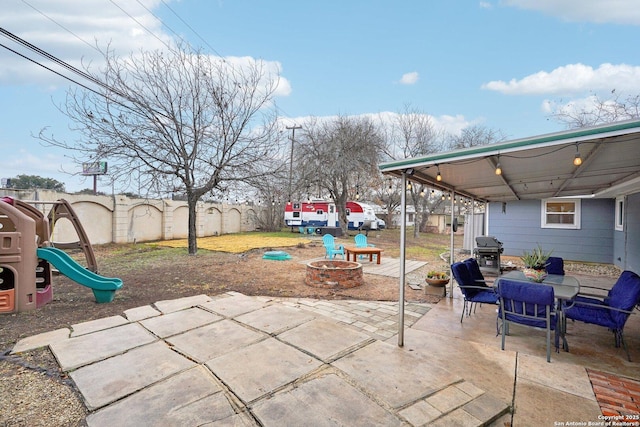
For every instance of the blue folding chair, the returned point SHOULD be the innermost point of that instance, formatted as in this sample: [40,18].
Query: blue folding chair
[528,304]
[611,311]
[555,265]
[472,292]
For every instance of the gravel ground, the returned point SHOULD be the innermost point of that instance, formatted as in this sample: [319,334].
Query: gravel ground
[34,393]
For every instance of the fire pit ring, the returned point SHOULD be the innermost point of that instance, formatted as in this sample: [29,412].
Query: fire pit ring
[334,274]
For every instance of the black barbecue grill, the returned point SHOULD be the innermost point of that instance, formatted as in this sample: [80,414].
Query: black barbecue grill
[487,253]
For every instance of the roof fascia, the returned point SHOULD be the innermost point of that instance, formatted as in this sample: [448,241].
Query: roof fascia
[572,136]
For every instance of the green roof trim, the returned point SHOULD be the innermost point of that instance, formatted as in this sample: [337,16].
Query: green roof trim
[586,133]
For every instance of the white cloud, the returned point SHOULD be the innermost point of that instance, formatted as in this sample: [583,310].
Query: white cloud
[70,32]
[485,5]
[572,79]
[409,78]
[599,11]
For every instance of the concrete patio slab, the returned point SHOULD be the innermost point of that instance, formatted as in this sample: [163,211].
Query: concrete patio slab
[214,340]
[325,339]
[261,368]
[536,404]
[41,340]
[326,400]
[179,321]
[380,367]
[564,377]
[97,325]
[140,313]
[112,379]
[234,305]
[190,398]
[275,318]
[169,306]
[85,349]
[477,363]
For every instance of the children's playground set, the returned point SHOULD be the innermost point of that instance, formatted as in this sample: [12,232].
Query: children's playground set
[28,256]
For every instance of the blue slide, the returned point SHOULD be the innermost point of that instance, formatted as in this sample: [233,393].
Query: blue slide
[104,288]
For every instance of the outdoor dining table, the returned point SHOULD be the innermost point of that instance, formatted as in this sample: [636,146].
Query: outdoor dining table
[565,288]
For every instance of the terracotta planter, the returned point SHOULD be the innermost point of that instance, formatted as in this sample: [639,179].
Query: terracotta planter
[437,282]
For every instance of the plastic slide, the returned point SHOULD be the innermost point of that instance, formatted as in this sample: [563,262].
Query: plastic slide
[104,288]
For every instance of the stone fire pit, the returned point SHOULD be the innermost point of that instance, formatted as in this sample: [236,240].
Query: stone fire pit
[334,274]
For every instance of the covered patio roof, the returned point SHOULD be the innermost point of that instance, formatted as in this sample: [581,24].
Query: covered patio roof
[538,167]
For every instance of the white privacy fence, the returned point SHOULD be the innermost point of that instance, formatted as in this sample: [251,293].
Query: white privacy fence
[120,219]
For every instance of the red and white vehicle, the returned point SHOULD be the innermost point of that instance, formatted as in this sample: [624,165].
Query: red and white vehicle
[322,213]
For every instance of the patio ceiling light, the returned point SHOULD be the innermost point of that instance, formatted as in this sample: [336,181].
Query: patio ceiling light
[438,177]
[498,168]
[577,160]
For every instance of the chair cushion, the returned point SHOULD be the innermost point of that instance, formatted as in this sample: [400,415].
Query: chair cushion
[536,323]
[625,292]
[596,315]
[485,296]
[624,295]
[474,271]
[463,277]
[534,293]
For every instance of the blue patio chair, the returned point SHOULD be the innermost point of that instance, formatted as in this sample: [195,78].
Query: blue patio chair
[611,311]
[330,247]
[529,304]
[476,274]
[301,230]
[472,292]
[555,265]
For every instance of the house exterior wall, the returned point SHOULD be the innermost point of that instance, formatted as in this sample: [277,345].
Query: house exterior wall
[627,242]
[517,226]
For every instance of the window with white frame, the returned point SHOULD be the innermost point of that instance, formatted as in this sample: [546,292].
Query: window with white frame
[561,213]
[620,213]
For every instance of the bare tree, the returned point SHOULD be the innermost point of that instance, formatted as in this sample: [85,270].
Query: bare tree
[181,120]
[339,156]
[475,135]
[415,135]
[597,110]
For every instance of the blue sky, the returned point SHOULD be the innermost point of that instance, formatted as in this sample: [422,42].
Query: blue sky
[492,63]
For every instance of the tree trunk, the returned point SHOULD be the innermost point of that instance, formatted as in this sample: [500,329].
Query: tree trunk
[193,239]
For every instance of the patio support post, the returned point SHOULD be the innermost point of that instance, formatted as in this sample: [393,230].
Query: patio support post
[451,255]
[403,234]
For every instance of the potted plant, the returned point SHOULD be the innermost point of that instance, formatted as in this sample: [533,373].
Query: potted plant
[437,278]
[535,262]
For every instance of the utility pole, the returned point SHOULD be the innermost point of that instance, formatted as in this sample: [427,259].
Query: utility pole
[293,137]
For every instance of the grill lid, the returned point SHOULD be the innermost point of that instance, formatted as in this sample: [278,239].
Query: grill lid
[488,242]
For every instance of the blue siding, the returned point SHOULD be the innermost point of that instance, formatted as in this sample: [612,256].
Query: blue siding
[632,231]
[518,228]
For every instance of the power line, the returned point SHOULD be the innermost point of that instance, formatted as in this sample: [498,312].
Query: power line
[49,69]
[60,25]
[161,21]
[74,70]
[191,28]
[140,23]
